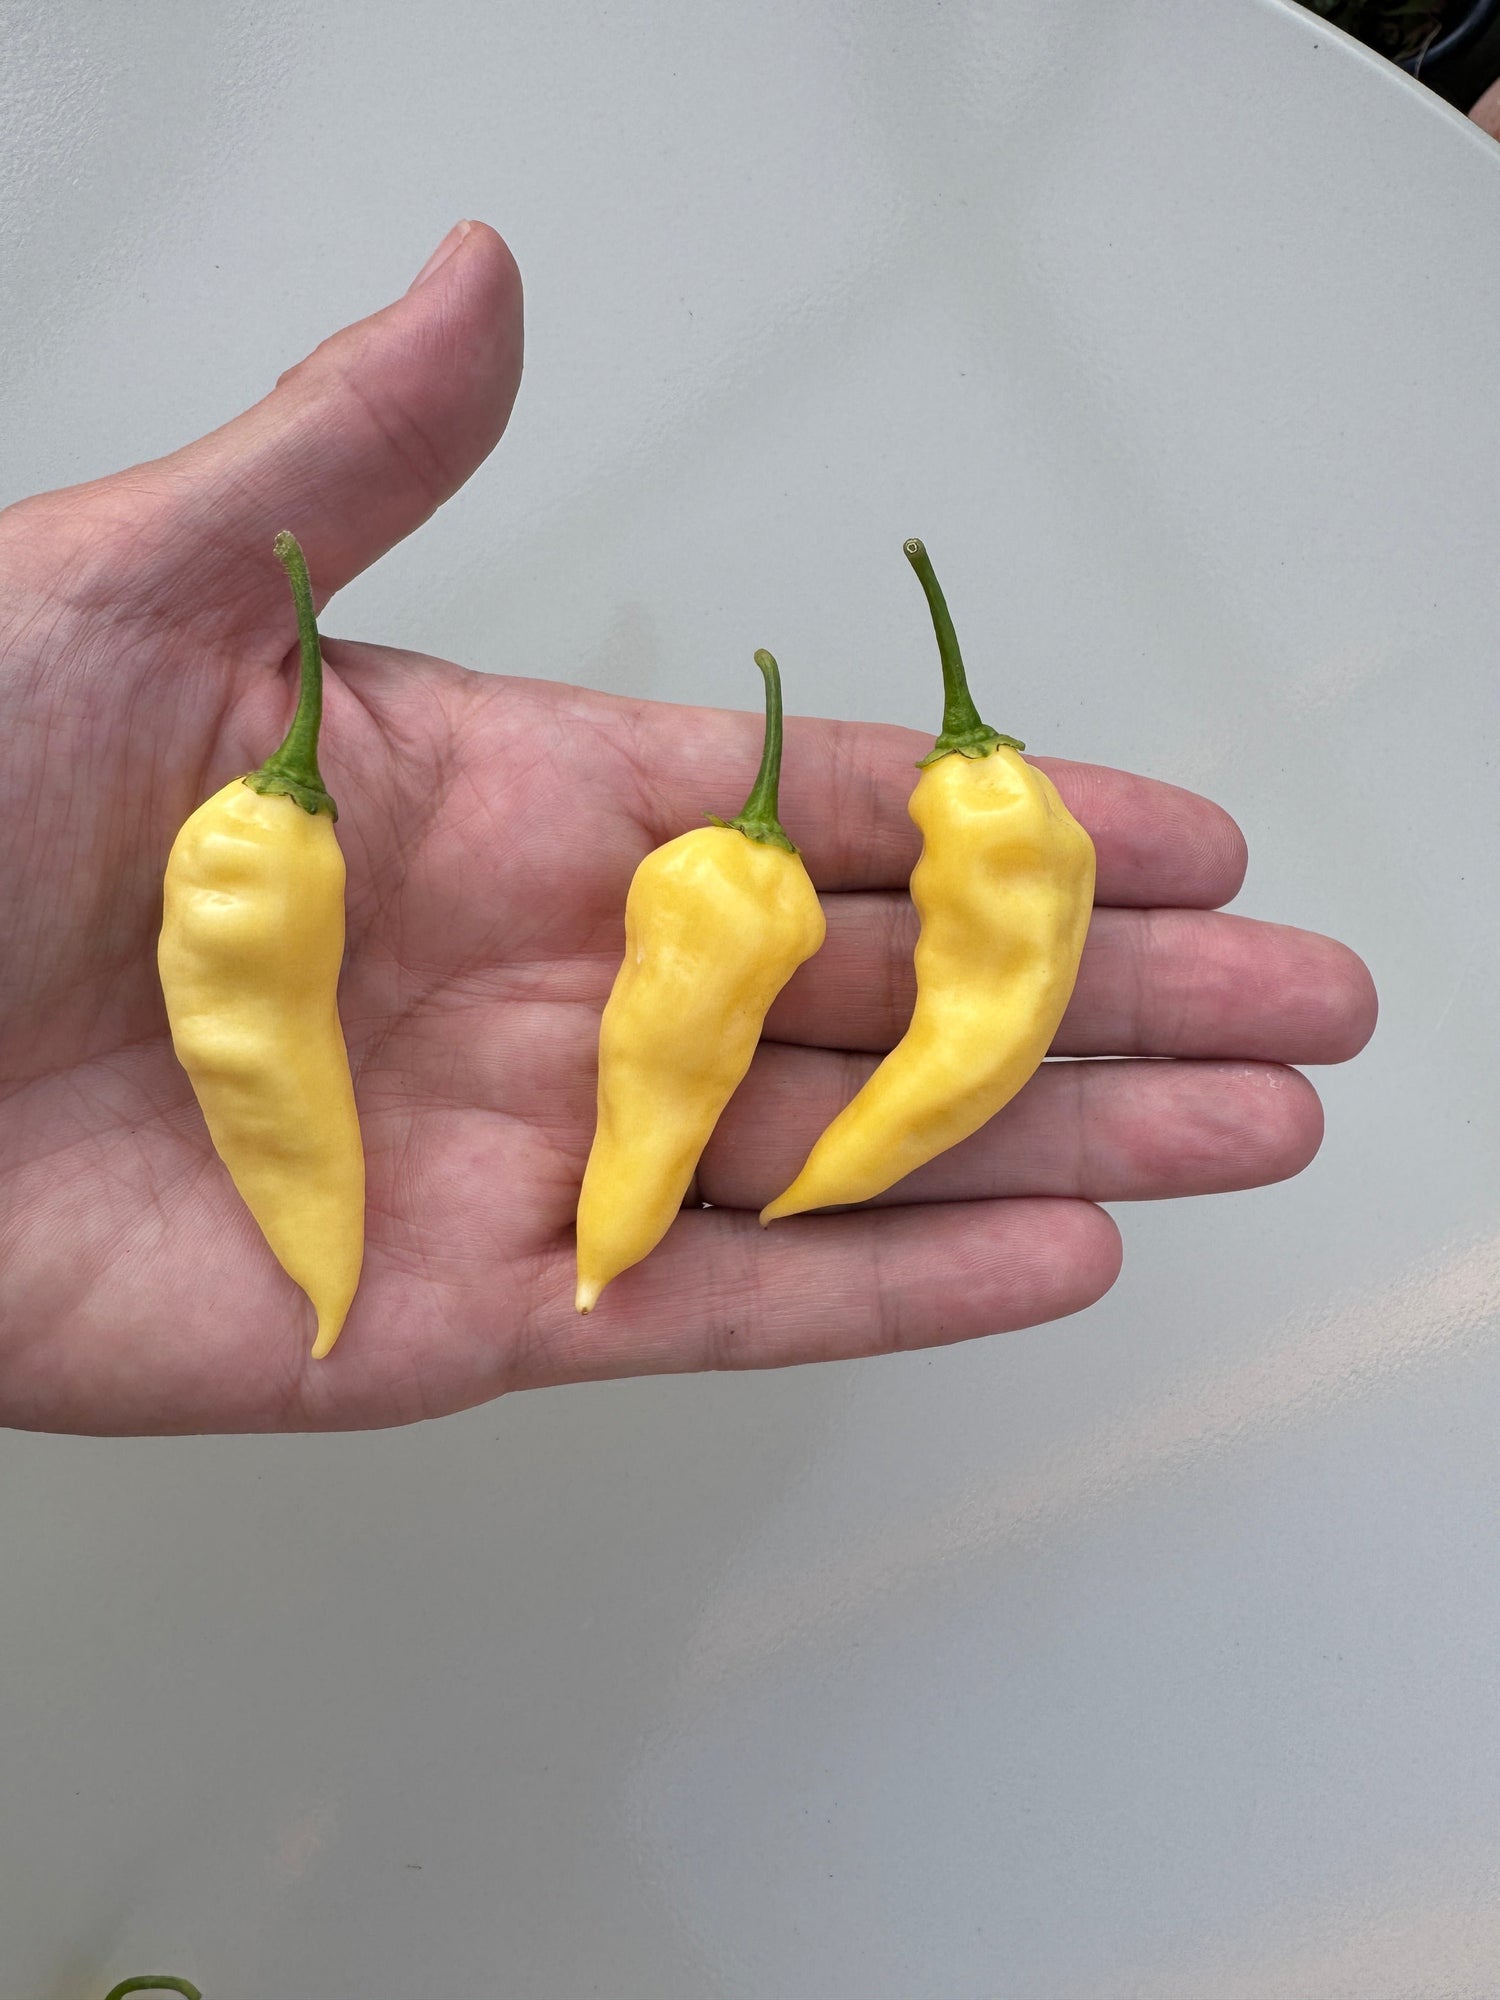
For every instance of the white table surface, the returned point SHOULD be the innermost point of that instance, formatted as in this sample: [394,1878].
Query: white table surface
[1154,1654]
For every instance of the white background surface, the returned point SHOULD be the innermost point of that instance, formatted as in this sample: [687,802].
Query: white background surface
[1155,1654]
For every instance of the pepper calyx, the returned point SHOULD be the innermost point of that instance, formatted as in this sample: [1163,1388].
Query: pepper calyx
[272,782]
[980,742]
[770,833]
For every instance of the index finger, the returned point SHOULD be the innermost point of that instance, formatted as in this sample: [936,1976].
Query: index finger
[845,786]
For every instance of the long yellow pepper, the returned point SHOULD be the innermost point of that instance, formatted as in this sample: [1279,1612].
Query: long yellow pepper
[716,922]
[1004,888]
[251,943]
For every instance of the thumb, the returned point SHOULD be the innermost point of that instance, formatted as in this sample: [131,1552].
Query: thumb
[352,450]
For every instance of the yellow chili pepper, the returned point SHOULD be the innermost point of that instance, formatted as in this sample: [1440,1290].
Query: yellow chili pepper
[1004,888]
[252,939]
[716,923]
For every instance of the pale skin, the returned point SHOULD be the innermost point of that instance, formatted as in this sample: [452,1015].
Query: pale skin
[491,826]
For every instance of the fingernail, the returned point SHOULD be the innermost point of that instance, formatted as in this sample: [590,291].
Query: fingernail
[442,253]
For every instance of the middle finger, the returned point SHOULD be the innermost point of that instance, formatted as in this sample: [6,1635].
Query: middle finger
[1152,983]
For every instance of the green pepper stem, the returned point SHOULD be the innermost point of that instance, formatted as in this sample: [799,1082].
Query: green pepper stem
[293,769]
[155,1982]
[962,729]
[757,819]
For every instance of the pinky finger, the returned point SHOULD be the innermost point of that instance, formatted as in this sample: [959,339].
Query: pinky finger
[720,1292]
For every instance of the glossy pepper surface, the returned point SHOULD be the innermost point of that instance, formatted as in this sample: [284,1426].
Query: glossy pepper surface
[251,943]
[716,922]
[1004,889]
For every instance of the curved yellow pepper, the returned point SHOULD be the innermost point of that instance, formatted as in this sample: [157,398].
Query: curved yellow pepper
[716,923]
[251,943]
[1004,890]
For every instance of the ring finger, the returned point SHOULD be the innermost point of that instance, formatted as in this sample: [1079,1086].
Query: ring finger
[1152,983]
[1102,1131]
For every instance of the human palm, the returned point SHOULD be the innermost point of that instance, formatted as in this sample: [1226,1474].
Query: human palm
[491,827]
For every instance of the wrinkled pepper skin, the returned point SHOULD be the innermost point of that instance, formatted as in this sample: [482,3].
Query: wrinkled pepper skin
[1003,889]
[252,938]
[251,944]
[716,923]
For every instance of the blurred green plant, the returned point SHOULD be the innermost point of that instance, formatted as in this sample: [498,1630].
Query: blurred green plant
[1399,29]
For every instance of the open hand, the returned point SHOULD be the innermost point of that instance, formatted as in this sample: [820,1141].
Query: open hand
[491,827]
